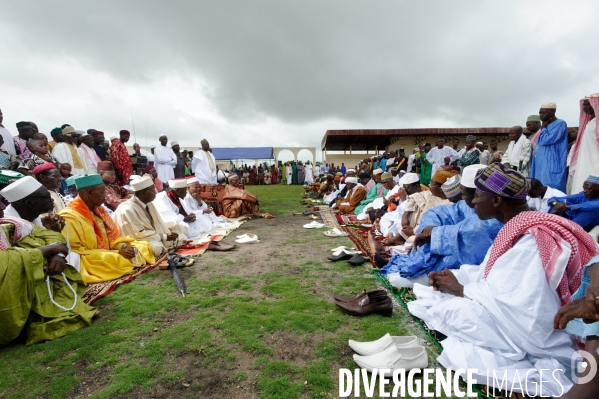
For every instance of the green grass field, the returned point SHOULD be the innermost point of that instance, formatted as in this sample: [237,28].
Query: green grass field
[258,322]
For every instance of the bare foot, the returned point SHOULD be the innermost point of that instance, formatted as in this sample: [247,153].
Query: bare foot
[375,247]
[390,241]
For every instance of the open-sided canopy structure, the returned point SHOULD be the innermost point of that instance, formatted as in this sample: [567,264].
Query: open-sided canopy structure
[373,139]
[224,153]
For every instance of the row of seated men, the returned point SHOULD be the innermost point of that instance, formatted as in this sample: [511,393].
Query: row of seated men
[76,240]
[499,263]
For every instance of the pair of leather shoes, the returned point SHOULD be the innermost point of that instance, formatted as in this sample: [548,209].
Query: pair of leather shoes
[365,303]
[357,260]
[342,256]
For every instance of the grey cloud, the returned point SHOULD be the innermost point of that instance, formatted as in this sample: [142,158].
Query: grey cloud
[361,64]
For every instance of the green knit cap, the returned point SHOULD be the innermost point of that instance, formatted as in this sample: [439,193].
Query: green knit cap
[56,131]
[87,181]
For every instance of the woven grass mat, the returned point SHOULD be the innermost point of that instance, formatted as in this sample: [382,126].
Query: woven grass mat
[328,217]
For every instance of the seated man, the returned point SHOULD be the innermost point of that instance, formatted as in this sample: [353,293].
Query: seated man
[540,194]
[28,255]
[139,218]
[193,203]
[448,237]
[168,204]
[115,194]
[581,318]
[367,181]
[451,189]
[330,189]
[375,192]
[499,316]
[419,201]
[50,178]
[239,202]
[355,195]
[105,253]
[581,208]
[381,203]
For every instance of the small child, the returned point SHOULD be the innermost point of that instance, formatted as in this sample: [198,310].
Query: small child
[65,173]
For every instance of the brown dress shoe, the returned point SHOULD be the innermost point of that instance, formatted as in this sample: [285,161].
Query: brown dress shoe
[359,295]
[368,305]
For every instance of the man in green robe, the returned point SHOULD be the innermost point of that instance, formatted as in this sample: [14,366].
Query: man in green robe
[294,177]
[29,253]
[426,168]
[373,193]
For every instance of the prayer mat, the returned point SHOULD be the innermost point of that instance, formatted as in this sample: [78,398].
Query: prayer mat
[404,296]
[98,290]
[199,249]
[359,236]
[328,217]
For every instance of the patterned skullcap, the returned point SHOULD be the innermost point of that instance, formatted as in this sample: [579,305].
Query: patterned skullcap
[533,118]
[505,182]
[451,187]
[470,137]
[441,176]
[593,179]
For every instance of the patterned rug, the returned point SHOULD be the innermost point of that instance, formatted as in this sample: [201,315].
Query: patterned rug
[99,290]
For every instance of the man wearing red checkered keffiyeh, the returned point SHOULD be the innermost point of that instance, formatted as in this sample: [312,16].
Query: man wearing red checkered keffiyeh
[499,315]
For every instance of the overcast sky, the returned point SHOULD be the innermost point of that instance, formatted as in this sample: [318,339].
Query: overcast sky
[277,73]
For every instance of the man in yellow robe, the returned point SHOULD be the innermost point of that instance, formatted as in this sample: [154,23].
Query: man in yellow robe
[105,253]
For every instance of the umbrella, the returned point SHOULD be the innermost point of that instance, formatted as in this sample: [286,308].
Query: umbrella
[172,263]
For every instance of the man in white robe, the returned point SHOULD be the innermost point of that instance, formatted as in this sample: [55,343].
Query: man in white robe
[165,160]
[316,171]
[138,217]
[584,159]
[193,203]
[87,153]
[495,322]
[66,152]
[309,179]
[289,170]
[519,151]
[436,156]
[204,164]
[169,205]
[539,194]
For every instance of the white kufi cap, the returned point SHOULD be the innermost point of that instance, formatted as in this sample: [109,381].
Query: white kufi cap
[141,183]
[409,178]
[469,174]
[20,189]
[179,183]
